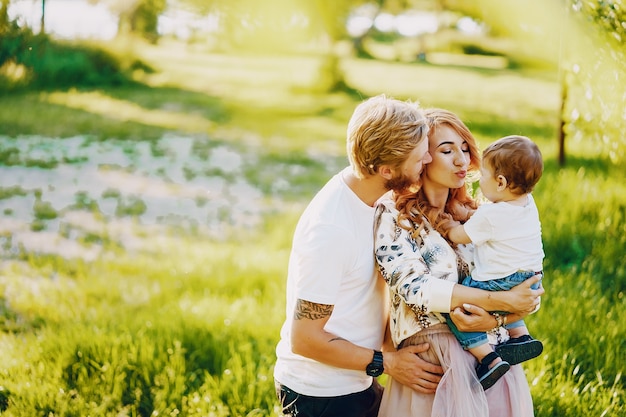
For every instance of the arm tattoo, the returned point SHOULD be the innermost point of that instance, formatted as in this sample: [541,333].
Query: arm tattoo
[311,311]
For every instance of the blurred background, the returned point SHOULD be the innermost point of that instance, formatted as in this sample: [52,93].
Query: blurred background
[155,156]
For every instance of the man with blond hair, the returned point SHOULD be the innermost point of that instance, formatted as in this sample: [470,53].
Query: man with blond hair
[331,347]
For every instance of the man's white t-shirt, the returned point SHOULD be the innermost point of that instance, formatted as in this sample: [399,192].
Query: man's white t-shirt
[332,262]
[506,238]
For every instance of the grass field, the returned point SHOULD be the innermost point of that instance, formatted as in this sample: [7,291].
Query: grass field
[130,313]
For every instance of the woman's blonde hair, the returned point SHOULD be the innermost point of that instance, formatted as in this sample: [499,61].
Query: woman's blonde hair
[383,131]
[414,206]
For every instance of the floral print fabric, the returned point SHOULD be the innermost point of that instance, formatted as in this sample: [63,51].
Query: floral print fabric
[420,271]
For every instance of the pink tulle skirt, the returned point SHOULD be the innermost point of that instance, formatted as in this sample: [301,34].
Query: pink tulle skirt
[459,393]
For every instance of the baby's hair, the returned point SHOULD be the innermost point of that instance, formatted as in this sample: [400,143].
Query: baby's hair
[516,158]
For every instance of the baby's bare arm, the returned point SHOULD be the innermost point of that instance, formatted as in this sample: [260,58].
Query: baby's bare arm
[457,234]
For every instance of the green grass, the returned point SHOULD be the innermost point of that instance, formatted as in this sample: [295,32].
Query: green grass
[147,335]
[187,325]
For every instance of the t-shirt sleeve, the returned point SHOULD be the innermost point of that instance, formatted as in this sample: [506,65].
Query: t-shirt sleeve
[478,227]
[321,259]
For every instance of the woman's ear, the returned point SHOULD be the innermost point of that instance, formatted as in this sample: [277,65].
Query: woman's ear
[502,182]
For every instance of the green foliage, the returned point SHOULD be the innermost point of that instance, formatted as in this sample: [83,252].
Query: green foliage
[600,211]
[43,210]
[9,192]
[182,332]
[193,343]
[569,380]
[594,55]
[132,206]
[35,61]
[608,16]
[289,175]
[143,19]
[84,202]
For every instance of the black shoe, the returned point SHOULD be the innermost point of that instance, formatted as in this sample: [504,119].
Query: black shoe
[519,349]
[489,376]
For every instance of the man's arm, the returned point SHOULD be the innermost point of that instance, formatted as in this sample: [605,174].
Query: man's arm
[311,340]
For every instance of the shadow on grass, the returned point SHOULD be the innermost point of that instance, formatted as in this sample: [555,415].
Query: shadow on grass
[19,122]
[156,111]
[175,99]
[495,126]
[594,165]
[545,72]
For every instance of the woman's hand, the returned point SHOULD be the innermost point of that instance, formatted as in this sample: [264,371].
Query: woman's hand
[521,300]
[524,300]
[471,318]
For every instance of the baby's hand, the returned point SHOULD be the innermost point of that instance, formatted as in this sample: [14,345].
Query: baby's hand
[448,224]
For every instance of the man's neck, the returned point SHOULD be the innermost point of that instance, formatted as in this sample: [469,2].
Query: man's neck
[369,189]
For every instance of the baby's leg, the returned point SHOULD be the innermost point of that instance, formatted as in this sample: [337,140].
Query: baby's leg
[481,351]
[490,367]
[516,332]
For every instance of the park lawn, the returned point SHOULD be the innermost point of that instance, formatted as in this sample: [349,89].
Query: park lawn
[188,324]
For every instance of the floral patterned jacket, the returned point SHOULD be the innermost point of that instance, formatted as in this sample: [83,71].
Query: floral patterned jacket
[421,272]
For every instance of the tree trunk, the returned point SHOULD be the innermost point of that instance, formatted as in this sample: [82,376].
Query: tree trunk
[331,77]
[4,14]
[43,17]
[562,123]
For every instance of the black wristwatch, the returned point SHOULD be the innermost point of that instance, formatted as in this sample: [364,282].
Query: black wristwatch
[375,368]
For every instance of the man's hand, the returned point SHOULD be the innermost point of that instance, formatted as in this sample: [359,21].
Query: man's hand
[409,369]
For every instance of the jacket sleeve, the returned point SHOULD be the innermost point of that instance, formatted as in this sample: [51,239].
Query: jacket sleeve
[404,268]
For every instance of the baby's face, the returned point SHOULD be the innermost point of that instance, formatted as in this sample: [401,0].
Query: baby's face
[489,184]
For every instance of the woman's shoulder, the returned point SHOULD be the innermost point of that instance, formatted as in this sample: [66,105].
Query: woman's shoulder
[386,199]
[386,203]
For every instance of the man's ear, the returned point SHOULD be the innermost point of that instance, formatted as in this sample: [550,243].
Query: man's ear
[502,182]
[385,171]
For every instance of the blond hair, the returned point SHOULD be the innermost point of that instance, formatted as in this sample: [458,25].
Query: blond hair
[516,158]
[383,131]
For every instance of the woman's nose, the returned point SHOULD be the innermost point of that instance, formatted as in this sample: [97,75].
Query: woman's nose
[460,159]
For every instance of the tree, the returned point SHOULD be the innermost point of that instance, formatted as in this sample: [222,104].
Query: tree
[43,17]
[595,103]
[4,15]
[201,6]
[139,17]
[584,39]
[328,18]
[286,25]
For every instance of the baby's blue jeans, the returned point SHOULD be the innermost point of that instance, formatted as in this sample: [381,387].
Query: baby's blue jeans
[472,339]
